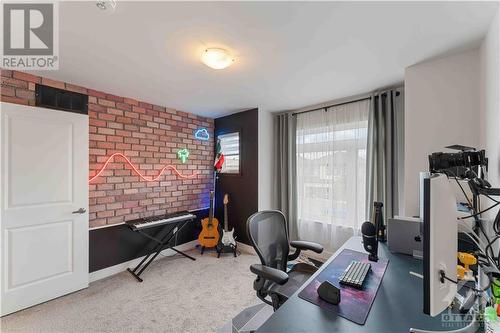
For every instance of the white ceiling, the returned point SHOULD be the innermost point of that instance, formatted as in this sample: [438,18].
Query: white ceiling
[289,54]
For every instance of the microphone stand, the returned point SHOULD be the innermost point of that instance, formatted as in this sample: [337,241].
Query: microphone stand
[379,222]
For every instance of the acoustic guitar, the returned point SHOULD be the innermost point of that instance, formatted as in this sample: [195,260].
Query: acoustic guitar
[209,235]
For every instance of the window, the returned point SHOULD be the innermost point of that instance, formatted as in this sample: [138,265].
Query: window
[331,173]
[230,147]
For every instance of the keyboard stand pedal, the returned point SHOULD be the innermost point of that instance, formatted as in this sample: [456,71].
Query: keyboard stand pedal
[137,277]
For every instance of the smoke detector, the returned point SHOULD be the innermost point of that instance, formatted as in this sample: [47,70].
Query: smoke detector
[108,5]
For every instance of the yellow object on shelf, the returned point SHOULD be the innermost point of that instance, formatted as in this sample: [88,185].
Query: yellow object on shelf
[467,259]
[461,272]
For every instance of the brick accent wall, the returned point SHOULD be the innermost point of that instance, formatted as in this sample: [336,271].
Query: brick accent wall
[149,135]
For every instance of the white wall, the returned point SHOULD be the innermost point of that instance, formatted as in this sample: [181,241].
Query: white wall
[450,100]
[441,108]
[266,159]
[489,68]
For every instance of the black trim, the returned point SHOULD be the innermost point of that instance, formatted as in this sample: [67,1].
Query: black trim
[59,99]
[426,248]
[118,244]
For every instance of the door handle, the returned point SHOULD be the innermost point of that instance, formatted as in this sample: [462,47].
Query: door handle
[79,211]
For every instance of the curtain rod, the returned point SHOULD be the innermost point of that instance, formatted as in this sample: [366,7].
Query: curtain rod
[332,105]
[339,104]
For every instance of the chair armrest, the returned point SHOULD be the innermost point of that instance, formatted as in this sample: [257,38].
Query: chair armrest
[269,273]
[304,245]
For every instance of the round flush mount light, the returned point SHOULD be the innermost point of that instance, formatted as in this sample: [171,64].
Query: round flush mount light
[217,58]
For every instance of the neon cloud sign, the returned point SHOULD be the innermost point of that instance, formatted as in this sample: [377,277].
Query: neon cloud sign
[202,134]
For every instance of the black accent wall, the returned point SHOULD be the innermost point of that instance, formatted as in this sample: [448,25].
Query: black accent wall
[117,244]
[242,188]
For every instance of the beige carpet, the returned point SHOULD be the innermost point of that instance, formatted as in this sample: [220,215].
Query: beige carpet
[177,295]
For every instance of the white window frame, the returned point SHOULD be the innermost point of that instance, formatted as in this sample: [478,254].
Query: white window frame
[226,155]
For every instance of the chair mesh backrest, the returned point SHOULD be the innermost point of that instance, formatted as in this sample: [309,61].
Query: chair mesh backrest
[268,235]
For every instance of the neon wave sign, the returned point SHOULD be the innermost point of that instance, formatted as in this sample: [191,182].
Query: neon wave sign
[143,177]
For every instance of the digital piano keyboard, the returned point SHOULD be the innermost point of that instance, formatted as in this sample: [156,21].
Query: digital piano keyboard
[154,221]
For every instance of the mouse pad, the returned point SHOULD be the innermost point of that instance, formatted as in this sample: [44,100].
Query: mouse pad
[355,303]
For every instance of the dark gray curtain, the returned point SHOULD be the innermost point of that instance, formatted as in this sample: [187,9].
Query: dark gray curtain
[384,176]
[285,194]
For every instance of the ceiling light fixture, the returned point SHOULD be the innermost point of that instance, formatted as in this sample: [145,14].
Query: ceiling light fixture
[217,58]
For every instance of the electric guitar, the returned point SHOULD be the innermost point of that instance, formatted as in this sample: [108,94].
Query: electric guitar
[209,235]
[228,238]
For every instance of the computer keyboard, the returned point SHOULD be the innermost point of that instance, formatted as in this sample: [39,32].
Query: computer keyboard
[355,274]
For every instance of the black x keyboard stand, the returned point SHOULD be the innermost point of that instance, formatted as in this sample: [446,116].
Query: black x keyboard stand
[162,244]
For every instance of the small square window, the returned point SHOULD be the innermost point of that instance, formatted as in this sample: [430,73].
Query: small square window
[230,147]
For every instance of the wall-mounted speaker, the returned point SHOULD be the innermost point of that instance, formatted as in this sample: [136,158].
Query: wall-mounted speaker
[54,98]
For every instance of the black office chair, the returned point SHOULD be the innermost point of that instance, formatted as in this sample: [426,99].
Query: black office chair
[268,235]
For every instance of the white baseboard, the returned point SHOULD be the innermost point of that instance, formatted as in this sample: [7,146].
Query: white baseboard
[112,270]
[246,248]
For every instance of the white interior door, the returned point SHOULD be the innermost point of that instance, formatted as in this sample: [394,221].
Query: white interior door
[44,175]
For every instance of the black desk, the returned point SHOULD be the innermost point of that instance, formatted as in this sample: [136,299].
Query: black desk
[397,306]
